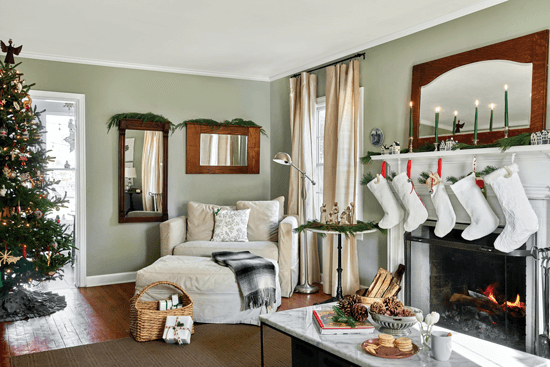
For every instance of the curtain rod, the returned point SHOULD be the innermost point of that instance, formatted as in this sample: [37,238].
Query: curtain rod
[361,54]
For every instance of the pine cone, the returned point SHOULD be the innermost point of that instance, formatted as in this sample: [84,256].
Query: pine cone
[392,302]
[359,312]
[393,305]
[378,308]
[405,312]
[347,303]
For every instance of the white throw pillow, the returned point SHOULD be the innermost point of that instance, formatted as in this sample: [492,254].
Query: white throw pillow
[200,220]
[265,216]
[230,225]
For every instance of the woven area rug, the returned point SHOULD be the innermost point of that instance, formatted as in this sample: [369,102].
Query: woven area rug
[211,345]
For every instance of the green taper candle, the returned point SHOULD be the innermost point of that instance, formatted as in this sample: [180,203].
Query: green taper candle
[454,123]
[411,120]
[437,109]
[491,120]
[506,105]
[475,122]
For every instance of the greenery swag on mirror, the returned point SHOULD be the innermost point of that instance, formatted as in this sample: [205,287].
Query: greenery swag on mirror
[149,117]
[216,125]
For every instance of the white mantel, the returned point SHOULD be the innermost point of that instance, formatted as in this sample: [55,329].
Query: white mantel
[534,166]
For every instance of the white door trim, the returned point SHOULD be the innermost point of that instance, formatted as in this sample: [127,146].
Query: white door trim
[80,223]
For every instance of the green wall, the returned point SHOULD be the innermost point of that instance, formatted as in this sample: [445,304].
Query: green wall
[117,248]
[386,75]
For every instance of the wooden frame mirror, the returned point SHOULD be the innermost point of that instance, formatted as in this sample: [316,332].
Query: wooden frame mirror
[223,149]
[529,53]
[142,196]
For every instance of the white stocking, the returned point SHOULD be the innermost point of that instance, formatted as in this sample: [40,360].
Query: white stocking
[393,213]
[521,219]
[483,219]
[446,217]
[416,211]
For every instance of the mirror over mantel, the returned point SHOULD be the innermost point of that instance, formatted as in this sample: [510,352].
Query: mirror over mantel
[454,83]
[142,171]
[222,149]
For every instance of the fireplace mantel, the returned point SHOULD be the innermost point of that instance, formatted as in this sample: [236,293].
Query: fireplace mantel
[534,172]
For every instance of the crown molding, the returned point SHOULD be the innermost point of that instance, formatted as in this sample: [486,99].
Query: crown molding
[127,65]
[392,37]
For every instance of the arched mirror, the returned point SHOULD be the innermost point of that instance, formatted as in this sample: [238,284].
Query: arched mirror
[142,171]
[509,76]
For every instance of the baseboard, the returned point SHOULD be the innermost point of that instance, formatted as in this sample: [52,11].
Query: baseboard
[107,279]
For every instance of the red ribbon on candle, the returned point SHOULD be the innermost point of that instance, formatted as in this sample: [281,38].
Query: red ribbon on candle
[384,169]
[409,169]
[439,166]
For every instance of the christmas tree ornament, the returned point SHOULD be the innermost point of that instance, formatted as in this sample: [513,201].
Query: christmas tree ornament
[416,211]
[483,220]
[393,213]
[446,217]
[5,257]
[10,51]
[38,213]
[18,87]
[3,131]
[57,219]
[25,134]
[3,191]
[521,219]
[16,106]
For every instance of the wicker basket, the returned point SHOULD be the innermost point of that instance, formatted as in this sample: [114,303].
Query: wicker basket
[147,322]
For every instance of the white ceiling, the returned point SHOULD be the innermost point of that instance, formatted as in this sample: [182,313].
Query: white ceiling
[248,39]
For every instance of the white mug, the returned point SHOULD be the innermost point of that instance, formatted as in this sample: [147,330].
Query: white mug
[442,345]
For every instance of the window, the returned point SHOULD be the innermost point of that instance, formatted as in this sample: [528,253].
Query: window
[319,134]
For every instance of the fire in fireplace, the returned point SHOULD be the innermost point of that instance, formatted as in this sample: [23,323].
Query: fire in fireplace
[476,289]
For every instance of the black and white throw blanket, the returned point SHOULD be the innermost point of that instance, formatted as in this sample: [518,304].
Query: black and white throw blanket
[255,275]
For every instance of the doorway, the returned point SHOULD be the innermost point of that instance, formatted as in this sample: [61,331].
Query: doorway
[63,115]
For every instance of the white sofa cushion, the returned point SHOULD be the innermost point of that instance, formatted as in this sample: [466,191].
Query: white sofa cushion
[265,249]
[230,225]
[200,223]
[263,223]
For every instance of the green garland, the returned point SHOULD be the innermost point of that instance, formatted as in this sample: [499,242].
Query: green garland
[503,144]
[347,230]
[422,179]
[114,121]
[216,125]
[368,177]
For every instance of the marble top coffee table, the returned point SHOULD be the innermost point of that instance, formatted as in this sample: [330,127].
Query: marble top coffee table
[467,350]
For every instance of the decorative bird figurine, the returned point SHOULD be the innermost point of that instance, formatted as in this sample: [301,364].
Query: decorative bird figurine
[10,51]
[459,126]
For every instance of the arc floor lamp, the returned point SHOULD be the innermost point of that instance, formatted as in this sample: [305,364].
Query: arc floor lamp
[284,159]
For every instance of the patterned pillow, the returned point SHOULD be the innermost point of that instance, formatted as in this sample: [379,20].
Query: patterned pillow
[231,225]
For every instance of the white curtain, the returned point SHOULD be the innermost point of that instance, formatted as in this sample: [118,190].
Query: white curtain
[341,153]
[151,168]
[303,96]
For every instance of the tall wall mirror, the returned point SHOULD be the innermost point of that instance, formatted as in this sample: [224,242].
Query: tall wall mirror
[226,149]
[142,171]
[512,74]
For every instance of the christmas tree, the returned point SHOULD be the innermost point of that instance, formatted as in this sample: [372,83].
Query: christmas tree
[33,245]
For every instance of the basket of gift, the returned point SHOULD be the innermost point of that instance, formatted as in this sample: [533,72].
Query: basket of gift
[148,318]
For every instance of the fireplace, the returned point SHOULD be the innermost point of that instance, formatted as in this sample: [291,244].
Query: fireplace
[476,289]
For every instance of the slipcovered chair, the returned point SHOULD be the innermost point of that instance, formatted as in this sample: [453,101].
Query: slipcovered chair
[270,235]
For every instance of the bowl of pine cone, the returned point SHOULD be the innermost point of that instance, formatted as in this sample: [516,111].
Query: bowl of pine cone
[393,317]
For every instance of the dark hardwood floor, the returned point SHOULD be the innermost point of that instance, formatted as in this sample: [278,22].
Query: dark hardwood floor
[93,315]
